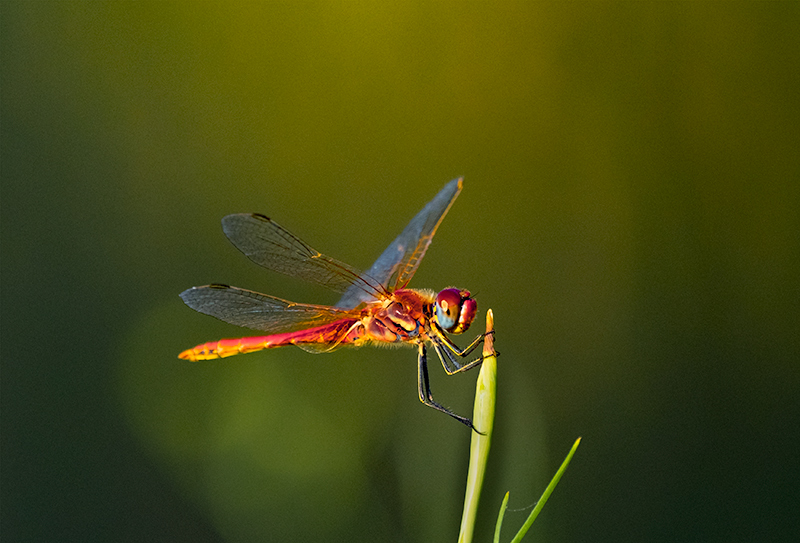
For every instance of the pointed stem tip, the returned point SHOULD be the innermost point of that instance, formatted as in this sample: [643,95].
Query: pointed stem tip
[488,343]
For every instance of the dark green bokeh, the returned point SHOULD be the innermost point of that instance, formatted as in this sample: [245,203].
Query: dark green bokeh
[630,213]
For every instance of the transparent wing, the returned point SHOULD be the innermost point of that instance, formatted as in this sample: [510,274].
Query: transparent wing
[273,247]
[395,267]
[258,311]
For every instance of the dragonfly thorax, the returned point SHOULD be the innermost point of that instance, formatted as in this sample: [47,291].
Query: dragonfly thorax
[399,318]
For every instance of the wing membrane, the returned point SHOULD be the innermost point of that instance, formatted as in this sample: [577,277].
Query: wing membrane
[250,309]
[398,263]
[271,246]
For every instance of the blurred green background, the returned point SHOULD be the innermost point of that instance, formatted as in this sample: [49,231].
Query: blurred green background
[631,213]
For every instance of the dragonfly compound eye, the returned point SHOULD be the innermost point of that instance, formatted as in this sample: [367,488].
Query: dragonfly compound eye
[455,310]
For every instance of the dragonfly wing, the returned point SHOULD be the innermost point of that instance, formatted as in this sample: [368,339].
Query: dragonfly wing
[273,247]
[258,311]
[395,267]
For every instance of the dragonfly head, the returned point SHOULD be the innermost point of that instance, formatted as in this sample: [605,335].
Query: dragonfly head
[455,310]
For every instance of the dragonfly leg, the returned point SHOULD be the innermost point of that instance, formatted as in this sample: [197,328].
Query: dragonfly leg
[425,394]
[468,366]
[451,364]
[449,354]
[469,348]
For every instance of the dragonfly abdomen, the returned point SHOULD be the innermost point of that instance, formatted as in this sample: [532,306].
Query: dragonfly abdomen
[328,337]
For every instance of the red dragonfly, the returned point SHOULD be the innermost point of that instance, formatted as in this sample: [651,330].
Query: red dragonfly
[375,307]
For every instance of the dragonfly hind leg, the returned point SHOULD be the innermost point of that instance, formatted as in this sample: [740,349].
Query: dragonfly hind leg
[425,394]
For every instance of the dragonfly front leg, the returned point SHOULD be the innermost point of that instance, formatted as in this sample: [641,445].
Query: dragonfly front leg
[425,394]
[449,353]
[469,348]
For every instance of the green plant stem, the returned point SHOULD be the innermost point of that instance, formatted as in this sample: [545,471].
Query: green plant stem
[483,419]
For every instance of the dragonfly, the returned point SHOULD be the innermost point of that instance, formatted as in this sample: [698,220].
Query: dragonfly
[376,307]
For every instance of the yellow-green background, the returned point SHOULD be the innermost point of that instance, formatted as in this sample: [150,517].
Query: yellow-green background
[631,213]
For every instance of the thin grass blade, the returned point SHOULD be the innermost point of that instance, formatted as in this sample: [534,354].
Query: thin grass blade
[546,494]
